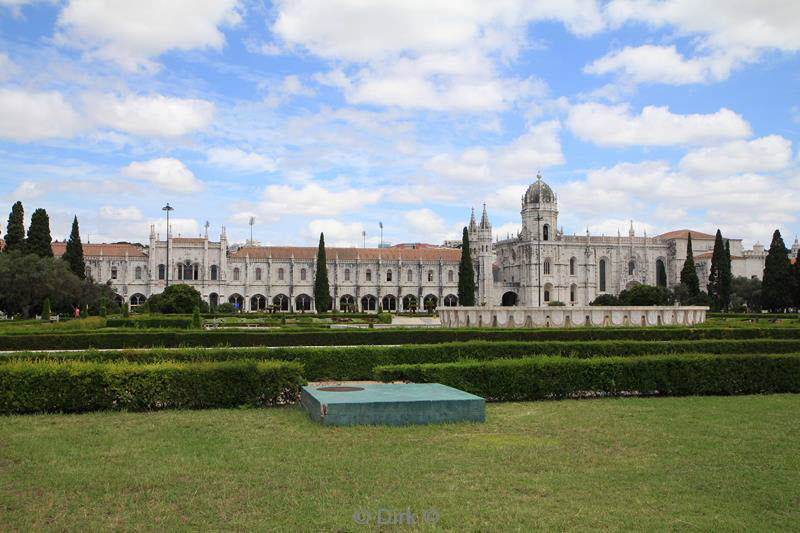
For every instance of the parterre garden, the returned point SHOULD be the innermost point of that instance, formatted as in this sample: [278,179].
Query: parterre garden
[622,437]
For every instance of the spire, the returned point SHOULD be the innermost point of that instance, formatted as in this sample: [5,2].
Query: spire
[472,224]
[485,218]
[630,231]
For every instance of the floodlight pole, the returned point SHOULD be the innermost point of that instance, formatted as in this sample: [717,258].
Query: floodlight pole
[167,208]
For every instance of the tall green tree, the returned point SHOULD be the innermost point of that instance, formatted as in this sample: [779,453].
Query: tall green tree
[73,255]
[727,278]
[777,287]
[15,230]
[717,273]
[322,290]
[466,274]
[39,240]
[689,273]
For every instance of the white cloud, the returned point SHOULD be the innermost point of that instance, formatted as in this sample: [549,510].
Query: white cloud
[337,233]
[313,199]
[238,160]
[425,223]
[539,148]
[504,231]
[472,165]
[654,126]
[181,227]
[765,154]
[153,115]
[660,64]
[123,214]
[7,67]
[166,173]
[28,190]
[287,89]
[133,33]
[33,116]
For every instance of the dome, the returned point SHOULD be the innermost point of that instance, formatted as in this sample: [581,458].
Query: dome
[539,192]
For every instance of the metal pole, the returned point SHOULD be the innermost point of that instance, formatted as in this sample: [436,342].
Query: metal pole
[167,208]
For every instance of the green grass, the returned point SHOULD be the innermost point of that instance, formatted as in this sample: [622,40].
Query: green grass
[655,464]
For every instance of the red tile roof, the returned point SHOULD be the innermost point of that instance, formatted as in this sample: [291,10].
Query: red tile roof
[684,233]
[349,254]
[96,250]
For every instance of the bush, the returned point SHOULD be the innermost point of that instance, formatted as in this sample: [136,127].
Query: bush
[177,299]
[197,323]
[125,311]
[150,322]
[556,304]
[226,307]
[557,377]
[29,387]
[640,295]
[46,309]
[605,299]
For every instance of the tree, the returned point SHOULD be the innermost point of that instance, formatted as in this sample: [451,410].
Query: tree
[777,288]
[46,309]
[796,275]
[177,299]
[73,255]
[15,231]
[646,295]
[727,276]
[125,310]
[716,274]
[197,323]
[322,290]
[39,240]
[689,273]
[745,294]
[466,274]
[27,280]
[605,299]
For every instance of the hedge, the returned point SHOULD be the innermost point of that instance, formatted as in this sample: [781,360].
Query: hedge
[77,386]
[352,337]
[150,322]
[539,378]
[357,362]
[757,316]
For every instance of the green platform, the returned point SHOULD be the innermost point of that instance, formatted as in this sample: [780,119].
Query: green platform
[392,404]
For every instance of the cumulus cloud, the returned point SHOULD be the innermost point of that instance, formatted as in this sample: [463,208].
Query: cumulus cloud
[7,67]
[660,64]
[471,165]
[34,116]
[131,34]
[655,126]
[314,199]
[153,115]
[766,154]
[337,233]
[128,214]
[236,159]
[166,173]
[424,223]
[28,190]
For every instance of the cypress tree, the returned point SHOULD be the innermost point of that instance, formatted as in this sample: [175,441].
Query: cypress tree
[39,240]
[715,278]
[688,273]
[322,291]
[466,274]
[15,230]
[727,278]
[73,255]
[777,287]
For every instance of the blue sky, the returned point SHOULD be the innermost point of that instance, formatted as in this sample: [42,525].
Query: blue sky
[334,115]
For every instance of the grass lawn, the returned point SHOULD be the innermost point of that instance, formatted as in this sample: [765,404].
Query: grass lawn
[686,464]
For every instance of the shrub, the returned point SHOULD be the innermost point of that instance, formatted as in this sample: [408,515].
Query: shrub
[605,299]
[646,295]
[226,307]
[46,309]
[180,298]
[29,387]
[197,323]
[150,322]
[125,310]
[557,377]
[556,304]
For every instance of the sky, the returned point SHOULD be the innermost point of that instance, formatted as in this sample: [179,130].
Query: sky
[335,115]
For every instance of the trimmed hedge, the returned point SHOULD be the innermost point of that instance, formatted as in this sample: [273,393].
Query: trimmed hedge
[150,322]
[76,386]
[357,362]
[146,339]
[557,377]
[758,316]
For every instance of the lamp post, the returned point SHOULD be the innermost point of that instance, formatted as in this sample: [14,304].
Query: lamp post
[364,235]
[167,208]
[381,225]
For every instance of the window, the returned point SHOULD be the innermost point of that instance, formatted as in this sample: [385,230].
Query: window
[410,275]
[137,274]
[389,303]
[369,303]
[572,293]
[214,272]
[450,300]
[113,272]
[369,275]
[602,275]
[258,276]
[347,275]
[546,296]
[389,275]
[280,274]
[572,262]
[302,274]
[236,274]
[631,267]
[545,232]
[546,267]
[162,270]
[450,276]
[137,300]
[430,275]
[661,274]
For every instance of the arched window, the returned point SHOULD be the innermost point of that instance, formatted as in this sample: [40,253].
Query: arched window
[196,271]
[389,275]
[137,274]
[162,271]
[213,300]
[450,300]
[303,303]
[572,262]
[661,274]
[113,272]
[347,303]
[409,275]
[258,303]
[302,274]
[369,275]
[347,274]
[137,300]
[547,267]
[546,295]
[280,274]
[410,303]
[214,272]
[631,267]
[545,232]
[236,274]
[450,276]
[258,276]
[281,302]
[430,275]
[429,303]
[572,293]
[602,273]
[369,303]
[389,303]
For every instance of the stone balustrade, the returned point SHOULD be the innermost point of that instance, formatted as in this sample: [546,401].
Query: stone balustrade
[557,317]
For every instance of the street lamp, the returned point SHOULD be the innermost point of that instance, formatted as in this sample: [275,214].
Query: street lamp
[167,208]
[364,234]
[381,225]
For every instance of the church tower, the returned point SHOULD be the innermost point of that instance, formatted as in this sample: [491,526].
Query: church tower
[539,211]
[484,258]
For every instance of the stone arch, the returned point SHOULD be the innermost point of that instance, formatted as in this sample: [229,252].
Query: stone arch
[451,300]
[258,302]
[409,302]
[369,303]
[347,303]
[389,303]
[237,300]
[138,299]
[430,302]
[509,299]
[302,302]
[548,293]
[281,301]
[213,299]
[602,275]
[661,273]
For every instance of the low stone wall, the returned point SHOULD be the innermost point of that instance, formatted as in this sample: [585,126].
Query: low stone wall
[558,317]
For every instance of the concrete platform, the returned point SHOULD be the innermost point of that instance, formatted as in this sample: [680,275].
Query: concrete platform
[392,404]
